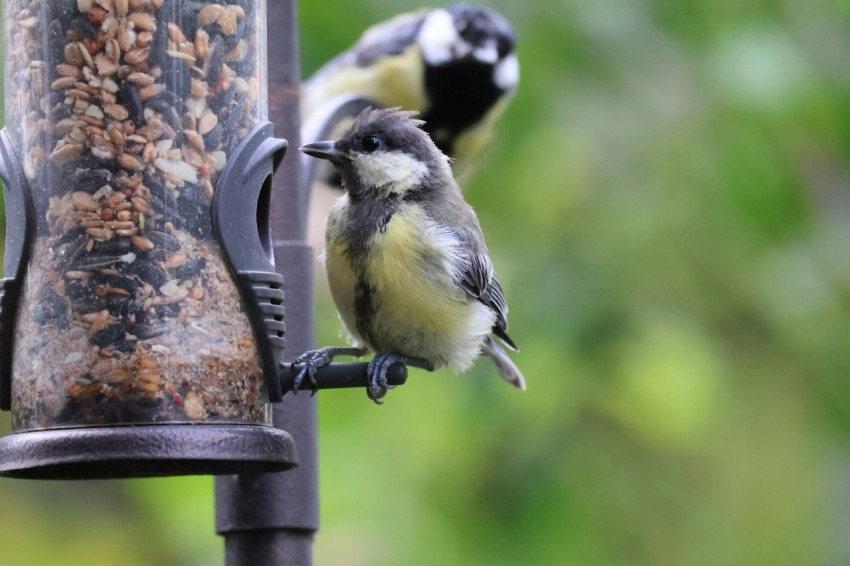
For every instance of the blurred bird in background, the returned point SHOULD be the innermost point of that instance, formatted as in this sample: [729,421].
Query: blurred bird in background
[456,66]
[405,257]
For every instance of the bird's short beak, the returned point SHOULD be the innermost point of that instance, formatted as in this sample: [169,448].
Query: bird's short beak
[325,150]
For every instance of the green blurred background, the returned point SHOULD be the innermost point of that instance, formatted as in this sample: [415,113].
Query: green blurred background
[668,206]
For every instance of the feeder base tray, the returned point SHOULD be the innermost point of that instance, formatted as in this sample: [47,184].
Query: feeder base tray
[146,451]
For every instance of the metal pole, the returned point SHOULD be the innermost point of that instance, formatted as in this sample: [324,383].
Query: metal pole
[271,518]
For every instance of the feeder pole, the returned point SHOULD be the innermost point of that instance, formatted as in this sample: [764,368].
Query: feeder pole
[272,518]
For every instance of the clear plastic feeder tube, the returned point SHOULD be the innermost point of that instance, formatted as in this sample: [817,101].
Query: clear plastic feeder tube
[123,113]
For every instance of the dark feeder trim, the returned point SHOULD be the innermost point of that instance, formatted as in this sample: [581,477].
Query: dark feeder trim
[20,228]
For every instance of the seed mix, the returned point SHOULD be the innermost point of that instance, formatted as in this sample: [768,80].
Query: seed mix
[124,112]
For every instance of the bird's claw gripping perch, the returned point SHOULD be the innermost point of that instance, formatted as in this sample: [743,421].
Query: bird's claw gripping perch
[312,360]
[315,359]
[379,377]
[377,370]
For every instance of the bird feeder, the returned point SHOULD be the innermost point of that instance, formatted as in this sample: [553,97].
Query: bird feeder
[141,319]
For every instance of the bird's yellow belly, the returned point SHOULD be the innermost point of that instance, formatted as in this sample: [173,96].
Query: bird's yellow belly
[418,309]
[342,281]
[415,307]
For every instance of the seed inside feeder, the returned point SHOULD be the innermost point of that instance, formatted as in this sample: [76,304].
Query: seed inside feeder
[125,113]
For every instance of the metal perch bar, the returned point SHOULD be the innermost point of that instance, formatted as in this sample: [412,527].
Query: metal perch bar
[338,376]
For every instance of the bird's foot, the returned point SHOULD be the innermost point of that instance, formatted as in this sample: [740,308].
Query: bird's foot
[315,359]
[377,372]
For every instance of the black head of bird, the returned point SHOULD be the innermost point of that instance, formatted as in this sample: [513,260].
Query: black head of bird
[385,154]
[456,65]
[470,64]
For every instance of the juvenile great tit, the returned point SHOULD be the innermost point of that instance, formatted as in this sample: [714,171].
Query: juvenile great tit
[456,65]
[405,257]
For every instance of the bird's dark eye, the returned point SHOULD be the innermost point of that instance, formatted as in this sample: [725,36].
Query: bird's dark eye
[371,143]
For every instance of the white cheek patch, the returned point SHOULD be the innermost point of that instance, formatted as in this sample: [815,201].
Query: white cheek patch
[439,40]
[487,53]
[389,171]
[506,73]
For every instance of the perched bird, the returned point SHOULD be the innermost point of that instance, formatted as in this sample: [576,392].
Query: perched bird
[456,65]
[405,257]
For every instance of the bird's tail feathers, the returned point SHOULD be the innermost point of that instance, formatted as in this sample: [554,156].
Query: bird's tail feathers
[507,368]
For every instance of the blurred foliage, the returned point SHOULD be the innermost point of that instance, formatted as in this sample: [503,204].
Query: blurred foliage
[667,204]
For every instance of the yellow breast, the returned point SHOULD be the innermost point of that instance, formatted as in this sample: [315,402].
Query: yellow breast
[408,267]
[341,276]
[416,308]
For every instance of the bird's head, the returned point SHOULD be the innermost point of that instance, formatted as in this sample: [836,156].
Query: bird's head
[464,33]
[385,154]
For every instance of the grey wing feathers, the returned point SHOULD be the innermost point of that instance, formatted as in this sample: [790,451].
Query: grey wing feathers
[480,281]
[387,38]
[384,42]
